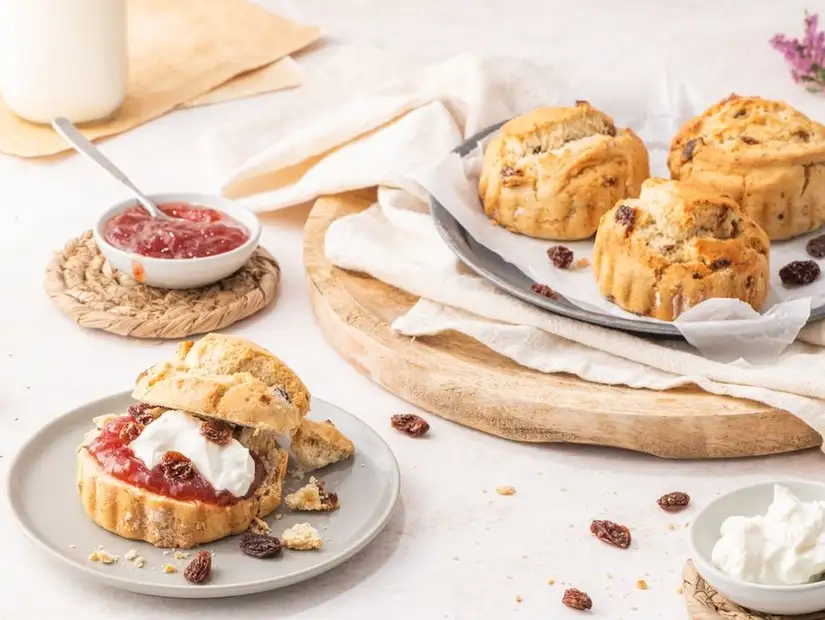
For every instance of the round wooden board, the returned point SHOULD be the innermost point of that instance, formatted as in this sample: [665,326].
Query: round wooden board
[456,378]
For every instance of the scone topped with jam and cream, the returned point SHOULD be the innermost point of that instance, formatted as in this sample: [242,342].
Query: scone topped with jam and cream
[676,246]
[553,172]
[765,155]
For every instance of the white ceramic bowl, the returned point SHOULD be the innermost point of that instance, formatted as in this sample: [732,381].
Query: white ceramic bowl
[181,273]
[749,502]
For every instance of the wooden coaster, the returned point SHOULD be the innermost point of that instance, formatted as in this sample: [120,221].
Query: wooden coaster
[82,283]
[705,603]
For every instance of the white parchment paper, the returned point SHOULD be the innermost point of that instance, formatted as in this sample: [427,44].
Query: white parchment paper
[722,329]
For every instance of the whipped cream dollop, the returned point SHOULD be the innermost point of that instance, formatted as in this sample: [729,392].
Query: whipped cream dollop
[228,467]
[786,546]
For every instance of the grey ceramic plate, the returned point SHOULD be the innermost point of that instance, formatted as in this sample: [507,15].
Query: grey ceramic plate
[492,267]
[44,500]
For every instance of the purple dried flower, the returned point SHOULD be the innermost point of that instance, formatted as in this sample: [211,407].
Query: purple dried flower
[806,57]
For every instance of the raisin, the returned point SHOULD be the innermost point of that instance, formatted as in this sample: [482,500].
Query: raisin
[749,140]
[689,148]
[697,276]
[130,432]
[749,282]
[816,247]
[582,102]
[799,273]
[625,215]
[560,256]
[674,502]
[410,423]
[176,466]
[611,533]
[199,568]
[740,113]
[801,134]
[576,599]
[260,545]
[609,181]
[280,392]
[216,431]
[143,413]
[509,171]
[536,150]
[611,130]
[719,263]
[543,289]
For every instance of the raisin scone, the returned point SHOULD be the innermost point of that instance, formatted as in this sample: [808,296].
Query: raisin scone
[765,155]
[230,378]
[552,173]
[174,480]
[318,444]
[677,245]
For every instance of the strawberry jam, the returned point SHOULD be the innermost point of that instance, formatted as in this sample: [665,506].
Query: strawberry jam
[193,232]
[110,449]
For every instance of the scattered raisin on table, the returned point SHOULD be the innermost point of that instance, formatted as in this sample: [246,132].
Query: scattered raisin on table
[199,568]
[130,432]
[576,599]
[561,256]
[260,545]
[816,247]
[625,215]
[176,466]
[543,289]
[799,273]
[611,533]
[216,431]
[410,423]
[674,502]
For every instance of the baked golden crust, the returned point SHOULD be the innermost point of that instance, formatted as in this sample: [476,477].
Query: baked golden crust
[675,246]
[553,172]
[138,514]
[765,155]
[228,378]
[318,444]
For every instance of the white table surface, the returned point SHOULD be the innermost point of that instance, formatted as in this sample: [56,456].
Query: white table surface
[454,549]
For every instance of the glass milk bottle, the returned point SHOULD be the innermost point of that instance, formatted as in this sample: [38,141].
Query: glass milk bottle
[63,58]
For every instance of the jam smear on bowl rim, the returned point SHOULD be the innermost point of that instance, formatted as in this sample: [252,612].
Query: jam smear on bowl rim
[193,232]
[110,449]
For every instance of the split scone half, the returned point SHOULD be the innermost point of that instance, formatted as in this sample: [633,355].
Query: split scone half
[675,246]
[765,155]
[198,458]
[552,173]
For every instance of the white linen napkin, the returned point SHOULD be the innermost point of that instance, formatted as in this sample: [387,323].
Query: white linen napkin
[313,146]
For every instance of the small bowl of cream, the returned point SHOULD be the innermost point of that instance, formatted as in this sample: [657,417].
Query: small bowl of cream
[763,546]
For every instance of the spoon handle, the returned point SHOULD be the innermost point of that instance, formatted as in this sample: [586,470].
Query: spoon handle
[71,134]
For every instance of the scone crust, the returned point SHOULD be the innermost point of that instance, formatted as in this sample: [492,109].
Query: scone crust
[318,444]
[677,246]
[552,173]
[137,514]
[227,378]
[765,155]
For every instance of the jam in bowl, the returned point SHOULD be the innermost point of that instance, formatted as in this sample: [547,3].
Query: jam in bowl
[205,239]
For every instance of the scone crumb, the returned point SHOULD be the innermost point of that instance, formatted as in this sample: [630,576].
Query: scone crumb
[139,562]
[518,599]
[102,557]
[679,590]
[302,537]
[506,490]
[312,498]
[180,555]
[279,516]
[168,568]
[131,555]
[550,582]
[581,263]
[259,526]
[641,584]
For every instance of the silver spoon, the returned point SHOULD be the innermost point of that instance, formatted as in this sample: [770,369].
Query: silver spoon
[71,134]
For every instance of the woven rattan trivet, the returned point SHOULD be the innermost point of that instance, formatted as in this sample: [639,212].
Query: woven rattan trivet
[83,284]
[705,603]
